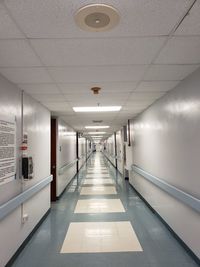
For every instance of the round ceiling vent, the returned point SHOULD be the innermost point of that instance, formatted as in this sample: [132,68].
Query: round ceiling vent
[97,17]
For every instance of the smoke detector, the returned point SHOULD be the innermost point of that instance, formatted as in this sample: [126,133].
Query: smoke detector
[97,17]
[96,90]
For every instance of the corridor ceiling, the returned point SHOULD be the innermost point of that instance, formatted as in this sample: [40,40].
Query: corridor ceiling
[155,45]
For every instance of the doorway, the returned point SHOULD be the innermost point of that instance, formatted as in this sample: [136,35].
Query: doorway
[53,158]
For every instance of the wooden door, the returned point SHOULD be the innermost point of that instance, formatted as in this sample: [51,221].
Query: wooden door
[53,159]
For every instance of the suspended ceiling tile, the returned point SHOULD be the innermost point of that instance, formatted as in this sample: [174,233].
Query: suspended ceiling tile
[26,75]
[57,106]
[8,29]
[43,88]
[60,113]
[104,116]
[126,112]
[17,53]
[114,96]
[145,96]
[55,19]
[105,86]
[191,23]
[136,108]
[79,52]
[102,96]
[180,50]
[154,86]
[169,72]
[49,97]
[123,116]
[98,73]
[70,117]
[95,102]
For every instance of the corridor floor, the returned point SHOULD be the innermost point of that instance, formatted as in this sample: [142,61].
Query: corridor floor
[101,222]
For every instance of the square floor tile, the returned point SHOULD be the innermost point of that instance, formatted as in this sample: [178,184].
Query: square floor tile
[98,172]
[99,206]
[95,237]
[99,167]
[98,190]
[95,168]
[96,176]
[98,181]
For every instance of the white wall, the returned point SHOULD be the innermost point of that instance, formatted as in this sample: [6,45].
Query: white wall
[66,153]
[88,148]
[120,159]
[37,126]
[36,123]
[166,143]
[81,151]
[110,149]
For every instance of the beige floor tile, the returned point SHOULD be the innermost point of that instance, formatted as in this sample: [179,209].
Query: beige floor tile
[100,237]
[97,173]
[91,245]
[99,206]
[95,176]
[99,168]
[97,181]
[98,165]
[98,190]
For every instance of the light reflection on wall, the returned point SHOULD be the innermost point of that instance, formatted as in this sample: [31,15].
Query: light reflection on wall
[184,107]
[63,131]
[148,126]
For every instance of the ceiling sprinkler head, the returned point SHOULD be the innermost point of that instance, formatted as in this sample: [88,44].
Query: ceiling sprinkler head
[95,90]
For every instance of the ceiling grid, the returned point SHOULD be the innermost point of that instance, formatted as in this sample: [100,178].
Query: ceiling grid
[154,46]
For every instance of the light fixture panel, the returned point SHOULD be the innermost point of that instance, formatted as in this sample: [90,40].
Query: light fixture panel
[97,109]
[97,127]
[96,133]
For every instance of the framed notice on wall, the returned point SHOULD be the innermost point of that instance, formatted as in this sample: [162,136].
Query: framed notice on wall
[7,149]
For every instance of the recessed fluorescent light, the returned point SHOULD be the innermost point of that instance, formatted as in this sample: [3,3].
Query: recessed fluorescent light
[97,109]
[96,136]
[96,132]
[97,127]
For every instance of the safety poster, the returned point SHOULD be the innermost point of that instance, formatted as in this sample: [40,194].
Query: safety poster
[7,149]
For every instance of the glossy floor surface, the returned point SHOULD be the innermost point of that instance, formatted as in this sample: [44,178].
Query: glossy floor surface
[101,221]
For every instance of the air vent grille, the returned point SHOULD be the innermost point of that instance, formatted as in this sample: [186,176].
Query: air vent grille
[97,121]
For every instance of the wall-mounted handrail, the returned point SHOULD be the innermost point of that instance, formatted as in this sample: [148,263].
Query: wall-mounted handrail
[15,202]
[184,197]
[67,166]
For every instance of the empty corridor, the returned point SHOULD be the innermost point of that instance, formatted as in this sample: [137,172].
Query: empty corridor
[101,221]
